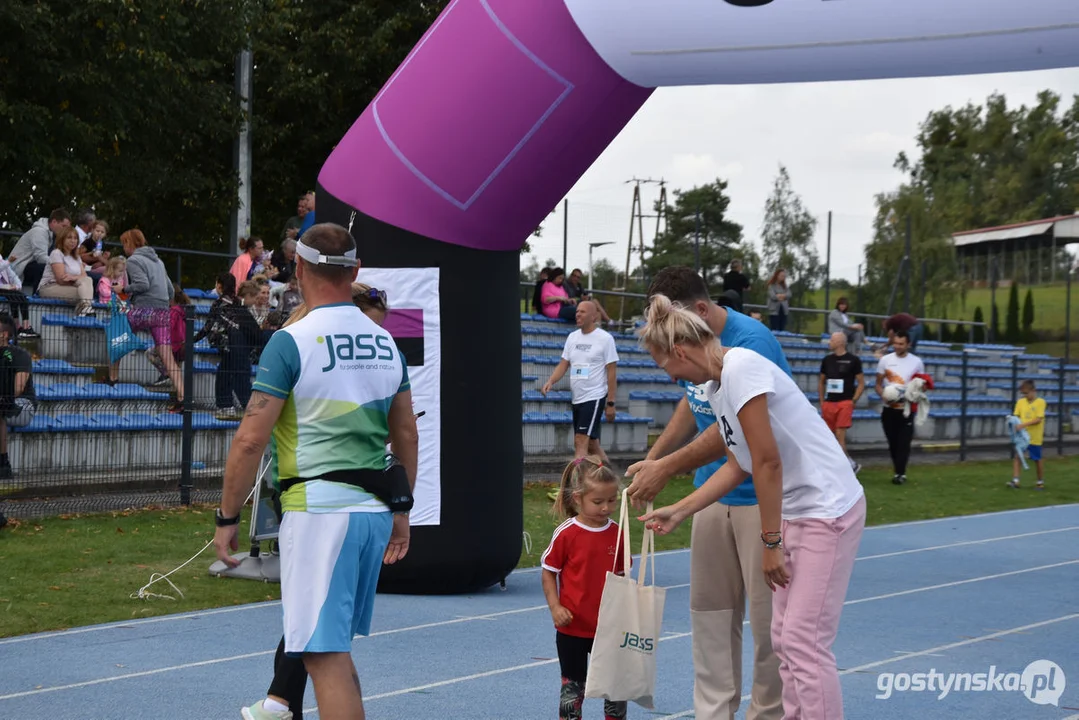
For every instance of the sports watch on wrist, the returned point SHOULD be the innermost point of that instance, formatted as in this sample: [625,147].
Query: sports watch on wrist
[610,403]
[222,521]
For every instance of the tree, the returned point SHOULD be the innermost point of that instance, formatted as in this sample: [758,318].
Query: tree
[126,107]
[1028,317]
[994,165]
[979,327]
[959,335]
[944,333]
[994,324]
[929,242]
[1012,333]
[976,166]
[697,223]
[605,275]
[318,66]
[787,239]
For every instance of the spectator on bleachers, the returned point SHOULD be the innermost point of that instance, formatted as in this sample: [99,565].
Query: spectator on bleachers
[256,298]
[65,276]
[839,322]
[290,298]
[18,402]
[309,217]
[555,302]
[11,293]
[114,280]
[243,266]
[537,293]
[756,315]
[150,296]
[839,386]
[735,280]
[231,330]
[907,323]
[294,223]
[591,358]
[779,300]
[31,253]
[91,249]
[84,223]
[283,262]
[576,290]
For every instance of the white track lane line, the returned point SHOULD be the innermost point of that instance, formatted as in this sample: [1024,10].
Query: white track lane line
[261,653]
[922,653]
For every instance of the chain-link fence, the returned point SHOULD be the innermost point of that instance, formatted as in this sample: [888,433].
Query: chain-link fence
[123,406]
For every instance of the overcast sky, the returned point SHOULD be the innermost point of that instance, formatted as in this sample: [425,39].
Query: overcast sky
[838,140]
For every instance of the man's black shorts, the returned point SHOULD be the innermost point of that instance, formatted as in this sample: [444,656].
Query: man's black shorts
[587,417]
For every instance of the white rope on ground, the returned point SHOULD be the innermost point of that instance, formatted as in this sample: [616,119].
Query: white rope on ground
[143,593]
[528,543]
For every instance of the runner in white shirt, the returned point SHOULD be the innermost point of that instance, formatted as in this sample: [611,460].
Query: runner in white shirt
[591,359]
[812,506]
[897,369]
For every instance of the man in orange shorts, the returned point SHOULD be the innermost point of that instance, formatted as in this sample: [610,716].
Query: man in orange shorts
[841,384]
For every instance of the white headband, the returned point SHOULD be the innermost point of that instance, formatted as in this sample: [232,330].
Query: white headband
[312,255]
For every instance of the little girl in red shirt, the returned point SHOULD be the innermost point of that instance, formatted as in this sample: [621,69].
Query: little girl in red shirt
[575,567]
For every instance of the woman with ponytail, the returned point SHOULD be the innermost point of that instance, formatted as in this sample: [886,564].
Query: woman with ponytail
[811,505]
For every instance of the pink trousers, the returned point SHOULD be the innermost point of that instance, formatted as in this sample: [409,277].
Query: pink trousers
[805,614]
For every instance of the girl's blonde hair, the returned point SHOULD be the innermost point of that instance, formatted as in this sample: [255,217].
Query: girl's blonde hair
[115,263]
[581,476]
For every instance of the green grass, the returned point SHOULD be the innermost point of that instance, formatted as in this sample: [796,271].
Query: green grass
[79,570]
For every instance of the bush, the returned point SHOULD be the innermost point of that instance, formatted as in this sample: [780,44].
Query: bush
[1028,317]
[1011,322]
[959,335]
[994,324]
[979,330]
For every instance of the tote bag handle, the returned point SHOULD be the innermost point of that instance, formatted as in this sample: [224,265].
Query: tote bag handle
[648,543]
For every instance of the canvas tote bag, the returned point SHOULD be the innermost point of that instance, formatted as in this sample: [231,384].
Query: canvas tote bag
[623,665]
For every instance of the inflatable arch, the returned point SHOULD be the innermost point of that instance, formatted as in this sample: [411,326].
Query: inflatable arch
[499,109]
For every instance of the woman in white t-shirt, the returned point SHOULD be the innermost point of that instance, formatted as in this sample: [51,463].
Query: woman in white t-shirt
[812,506]
[65,274]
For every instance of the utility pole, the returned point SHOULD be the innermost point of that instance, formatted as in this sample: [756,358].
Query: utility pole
[828,272]
[240,221]
[637,216]
[565,233]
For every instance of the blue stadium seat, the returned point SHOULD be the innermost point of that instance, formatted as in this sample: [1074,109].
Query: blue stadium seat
[169,421]
[40,423]
[131,391]
[108,421]
[59,367]
[61,391]
[69,422]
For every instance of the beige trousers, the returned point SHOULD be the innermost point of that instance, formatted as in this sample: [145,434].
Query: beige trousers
[83,290]
[725,571]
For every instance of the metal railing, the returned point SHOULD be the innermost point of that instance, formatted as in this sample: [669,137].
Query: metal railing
[528,288]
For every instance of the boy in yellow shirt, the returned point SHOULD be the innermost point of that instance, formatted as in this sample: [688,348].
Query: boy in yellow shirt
[1030,409]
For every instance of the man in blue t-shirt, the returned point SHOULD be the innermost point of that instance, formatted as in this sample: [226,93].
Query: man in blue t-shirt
[725,545]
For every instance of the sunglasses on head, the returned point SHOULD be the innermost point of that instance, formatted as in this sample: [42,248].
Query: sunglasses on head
[376,294]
